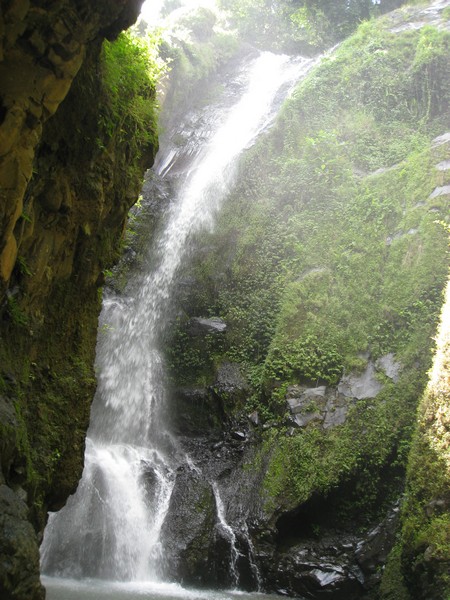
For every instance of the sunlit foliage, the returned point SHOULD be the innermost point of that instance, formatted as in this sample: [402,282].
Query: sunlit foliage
[131,69]
[301,24]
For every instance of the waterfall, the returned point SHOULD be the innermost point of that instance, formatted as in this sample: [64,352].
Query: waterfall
[229,534]
[110,529]
[252,557]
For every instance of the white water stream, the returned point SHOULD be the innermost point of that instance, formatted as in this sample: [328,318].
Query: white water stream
[110,529]
[229,533]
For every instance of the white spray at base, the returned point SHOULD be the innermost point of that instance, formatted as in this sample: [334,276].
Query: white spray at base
[110,529]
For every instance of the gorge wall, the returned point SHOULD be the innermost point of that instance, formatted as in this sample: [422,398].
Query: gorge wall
[305,324]
[71,165]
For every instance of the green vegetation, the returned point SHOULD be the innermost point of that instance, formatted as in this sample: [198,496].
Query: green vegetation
[329,252]
[302,25]
[322,257]
[368,451]
[194,51]
[131,69]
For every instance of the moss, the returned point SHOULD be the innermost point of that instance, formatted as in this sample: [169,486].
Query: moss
[302,300]
[426,512]
[392,586]
[316,461]
[131,69]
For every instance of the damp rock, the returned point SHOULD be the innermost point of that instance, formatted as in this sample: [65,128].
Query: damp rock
[254,418]
[389,366]
[361,385]
[188,531]
[196,410]
[304,572]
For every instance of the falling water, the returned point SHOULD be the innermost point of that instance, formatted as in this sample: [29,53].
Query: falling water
[110,529]
[229,534]
[252,557]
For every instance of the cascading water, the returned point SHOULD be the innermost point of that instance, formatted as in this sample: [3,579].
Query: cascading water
[110,529]
[229,534]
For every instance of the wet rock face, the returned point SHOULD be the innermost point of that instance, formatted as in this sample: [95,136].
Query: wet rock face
[200,410]
[196,410]
[193,546]
[315,576]
[340,566]
[204,543]
[190,520]
[297,556]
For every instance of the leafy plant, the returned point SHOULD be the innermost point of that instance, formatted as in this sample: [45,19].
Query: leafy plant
[131,70]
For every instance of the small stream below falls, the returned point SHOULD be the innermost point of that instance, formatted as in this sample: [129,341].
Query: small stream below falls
[106,542]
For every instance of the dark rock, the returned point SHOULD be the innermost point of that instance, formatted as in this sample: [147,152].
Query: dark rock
[371,552]
[19,551]
[302,571]
[13,470]
[187,531]
[230,387]
[239,435]
[196,410]
[335,564]
[195,545]
[9,378]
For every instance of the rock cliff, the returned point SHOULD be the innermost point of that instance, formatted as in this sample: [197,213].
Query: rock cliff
[326,269]
[67,180]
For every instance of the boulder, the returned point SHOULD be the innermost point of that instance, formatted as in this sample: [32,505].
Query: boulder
[200,326]
[361,385]
[372,551]
[320,404]
[338,565]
